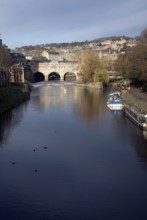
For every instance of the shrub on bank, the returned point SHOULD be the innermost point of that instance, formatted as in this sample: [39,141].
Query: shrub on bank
[11,97]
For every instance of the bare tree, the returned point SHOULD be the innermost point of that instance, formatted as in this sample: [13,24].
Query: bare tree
[91,67]
[133,64]
[5,57]
[5,61]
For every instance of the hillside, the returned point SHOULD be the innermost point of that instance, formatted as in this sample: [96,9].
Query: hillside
[75,43]
[108,47]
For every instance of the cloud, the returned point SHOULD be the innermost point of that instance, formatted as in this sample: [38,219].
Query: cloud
[34,21]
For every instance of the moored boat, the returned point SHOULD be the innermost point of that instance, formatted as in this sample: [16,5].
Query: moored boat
[137,117]
[115,102]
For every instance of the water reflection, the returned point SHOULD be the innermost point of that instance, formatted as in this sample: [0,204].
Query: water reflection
[89,104]
[137,137]
[54,94]
[139,141]
[145,135]
[5,121]
[56,166]
[9,120]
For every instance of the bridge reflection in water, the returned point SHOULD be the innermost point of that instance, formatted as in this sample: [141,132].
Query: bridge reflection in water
[64,155]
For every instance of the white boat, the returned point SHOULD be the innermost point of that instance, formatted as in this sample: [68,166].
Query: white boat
[115,102]
[137,117]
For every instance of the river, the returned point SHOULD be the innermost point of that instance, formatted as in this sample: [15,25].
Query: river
[65,156]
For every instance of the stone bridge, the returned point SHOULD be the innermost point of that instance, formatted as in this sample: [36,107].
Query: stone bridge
[62,70]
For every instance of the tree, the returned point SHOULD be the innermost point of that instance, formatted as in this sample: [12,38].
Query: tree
[92,67]
[5,57]
[5,61]
[133,64]
[138,58]
[121,65]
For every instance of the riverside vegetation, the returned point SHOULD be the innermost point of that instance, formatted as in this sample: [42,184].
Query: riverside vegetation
[13,94]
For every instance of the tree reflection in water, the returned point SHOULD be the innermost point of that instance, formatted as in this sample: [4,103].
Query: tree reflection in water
[8,120]
[90,103]
[5,121]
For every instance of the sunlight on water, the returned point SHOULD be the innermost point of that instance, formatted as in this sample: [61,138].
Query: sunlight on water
[65,155]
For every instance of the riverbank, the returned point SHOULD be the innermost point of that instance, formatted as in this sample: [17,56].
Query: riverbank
[13,96]
[98,85]
[135,98]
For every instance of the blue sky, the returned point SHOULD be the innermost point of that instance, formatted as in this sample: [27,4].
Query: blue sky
[32,22]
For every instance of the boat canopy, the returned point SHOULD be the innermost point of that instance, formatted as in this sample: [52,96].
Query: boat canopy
[114,93]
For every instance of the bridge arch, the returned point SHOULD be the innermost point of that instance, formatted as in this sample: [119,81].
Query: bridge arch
[53,76]
[38,76]
[70,76]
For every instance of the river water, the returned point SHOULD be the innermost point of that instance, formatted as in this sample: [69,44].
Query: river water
[65,156]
